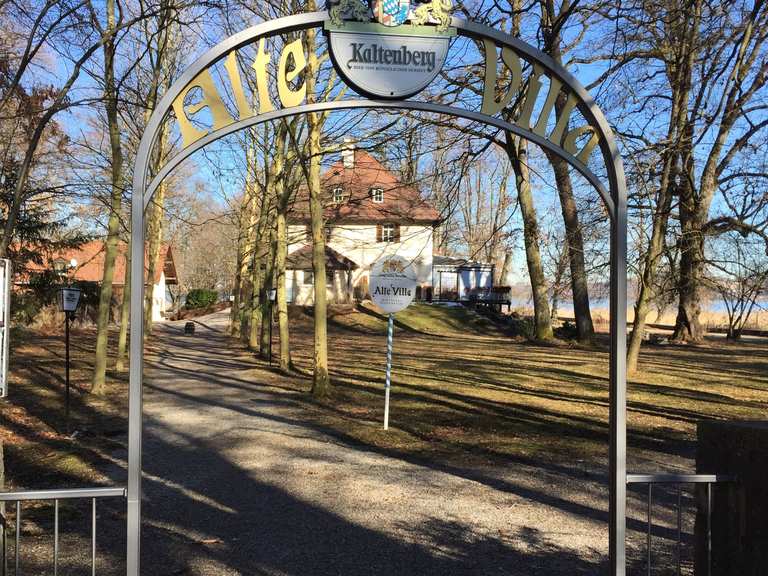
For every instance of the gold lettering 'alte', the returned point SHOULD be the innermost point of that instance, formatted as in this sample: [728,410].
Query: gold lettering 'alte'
[292,63]
[533,109]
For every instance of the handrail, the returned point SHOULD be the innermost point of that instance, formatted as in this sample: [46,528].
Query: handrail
[26,495]
[19,496]
[679,478]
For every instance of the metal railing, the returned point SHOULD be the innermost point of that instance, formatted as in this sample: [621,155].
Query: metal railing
[678,480]
[47,495]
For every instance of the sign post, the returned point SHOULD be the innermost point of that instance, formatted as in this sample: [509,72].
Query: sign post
[393,286]
[5,322]
[387,383]
[68,301]
[272,296]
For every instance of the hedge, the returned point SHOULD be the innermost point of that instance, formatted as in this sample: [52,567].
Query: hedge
[201,297]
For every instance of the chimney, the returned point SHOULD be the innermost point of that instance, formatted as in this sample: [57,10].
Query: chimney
[348,153]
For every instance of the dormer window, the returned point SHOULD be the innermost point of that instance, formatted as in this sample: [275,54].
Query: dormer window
[338,195]
[378,195]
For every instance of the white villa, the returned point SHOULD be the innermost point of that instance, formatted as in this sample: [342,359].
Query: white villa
[368,213]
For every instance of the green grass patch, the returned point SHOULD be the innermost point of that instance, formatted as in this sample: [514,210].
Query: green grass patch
[440,320]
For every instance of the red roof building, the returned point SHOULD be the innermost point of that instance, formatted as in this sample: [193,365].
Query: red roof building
[369,213]
[89,267]
[90,263]
[351,186]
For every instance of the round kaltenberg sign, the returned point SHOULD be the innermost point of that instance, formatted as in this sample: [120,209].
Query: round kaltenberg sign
[388,61]
[392,284]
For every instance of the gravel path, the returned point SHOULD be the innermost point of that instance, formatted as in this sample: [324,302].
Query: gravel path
[238,482]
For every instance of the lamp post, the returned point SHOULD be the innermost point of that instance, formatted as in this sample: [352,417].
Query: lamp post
[272,296]
[69,300]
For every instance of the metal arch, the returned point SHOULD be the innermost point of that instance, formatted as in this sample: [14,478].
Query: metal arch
[185,153]
[618,302]
[586,105]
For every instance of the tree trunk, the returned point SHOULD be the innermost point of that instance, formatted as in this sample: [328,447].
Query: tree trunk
[575,242]
[254,322]
[241,269]
[320,382]
[693,211]
[650,261]
[125,314]
[679,76]
[557,284]
[573,236]
[517,150]
[266,303]
[688,325]
[410,163]
[282,296]
[503,273]
[245,238]
[116,198]
[250,249]
[283,195]
[257,278]
[234,312]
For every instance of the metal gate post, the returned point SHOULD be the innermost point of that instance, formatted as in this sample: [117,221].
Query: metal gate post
[617,417]
[136,367]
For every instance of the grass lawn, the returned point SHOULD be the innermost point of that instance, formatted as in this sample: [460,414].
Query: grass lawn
[38,452]
[466,399]
[460,395]
[463,393]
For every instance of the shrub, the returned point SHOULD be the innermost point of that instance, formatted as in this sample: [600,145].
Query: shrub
[567,331]
[521,326]
[201,298]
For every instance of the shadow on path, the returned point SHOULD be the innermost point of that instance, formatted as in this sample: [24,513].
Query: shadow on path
[216,444]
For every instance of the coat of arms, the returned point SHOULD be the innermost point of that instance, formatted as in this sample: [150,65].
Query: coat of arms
[393,265]
[391,12]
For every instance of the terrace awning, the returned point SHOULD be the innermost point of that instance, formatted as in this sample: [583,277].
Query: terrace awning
[301,259]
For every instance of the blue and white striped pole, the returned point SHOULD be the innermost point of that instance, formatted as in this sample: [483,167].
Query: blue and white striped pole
[390,330]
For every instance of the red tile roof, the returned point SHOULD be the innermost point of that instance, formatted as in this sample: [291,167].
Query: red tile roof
[90,263]
[402,204]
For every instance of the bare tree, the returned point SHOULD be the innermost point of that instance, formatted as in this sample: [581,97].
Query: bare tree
[738,272]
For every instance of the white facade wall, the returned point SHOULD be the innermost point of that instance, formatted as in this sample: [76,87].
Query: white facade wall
[358,243]
[337,291]
[158,299]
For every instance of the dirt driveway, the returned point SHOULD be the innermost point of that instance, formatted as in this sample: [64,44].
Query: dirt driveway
[238,482]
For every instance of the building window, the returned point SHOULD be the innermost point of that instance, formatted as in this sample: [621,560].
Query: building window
[338,195]
[378,195]
[388,232]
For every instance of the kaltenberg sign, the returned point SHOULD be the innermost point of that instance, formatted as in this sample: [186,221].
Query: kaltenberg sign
[389,58]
